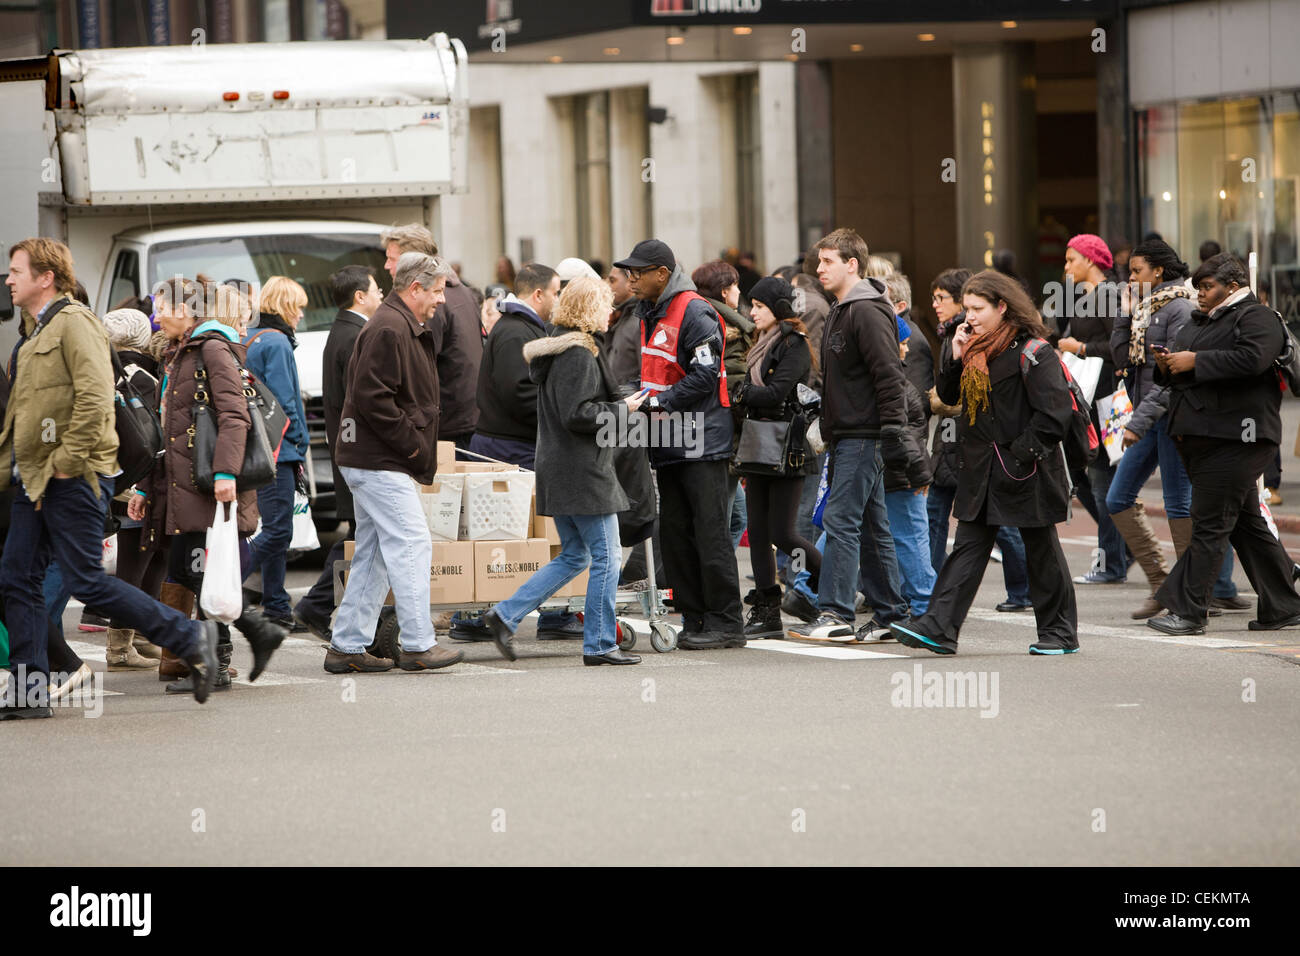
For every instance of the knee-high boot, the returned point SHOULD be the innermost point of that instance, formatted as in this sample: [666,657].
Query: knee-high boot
[1141,540]
[181,599]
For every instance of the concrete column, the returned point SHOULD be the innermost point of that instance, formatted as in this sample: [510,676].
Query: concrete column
[816,157]
[993,118]
[778,202]
[1116,176]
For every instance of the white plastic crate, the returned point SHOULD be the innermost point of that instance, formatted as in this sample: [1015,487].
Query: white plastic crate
[442,504]
[496,505]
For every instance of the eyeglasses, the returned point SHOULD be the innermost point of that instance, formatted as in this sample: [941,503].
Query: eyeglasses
[634,274]
[939,298]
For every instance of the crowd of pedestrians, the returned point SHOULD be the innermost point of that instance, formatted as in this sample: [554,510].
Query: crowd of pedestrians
[811,408]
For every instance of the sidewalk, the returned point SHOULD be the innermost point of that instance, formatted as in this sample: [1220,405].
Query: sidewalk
[1286,515]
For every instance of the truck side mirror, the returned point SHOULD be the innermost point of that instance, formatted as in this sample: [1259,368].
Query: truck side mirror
[6,301]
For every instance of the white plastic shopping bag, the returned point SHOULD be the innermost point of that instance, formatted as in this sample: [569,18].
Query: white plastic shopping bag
[1085,371]
[304,528]
[222,597]
[109,557]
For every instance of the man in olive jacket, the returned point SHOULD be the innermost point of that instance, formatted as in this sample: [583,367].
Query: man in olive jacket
[388,435]
[59,434]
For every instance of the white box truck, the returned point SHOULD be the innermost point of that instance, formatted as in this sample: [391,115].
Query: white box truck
[239,161]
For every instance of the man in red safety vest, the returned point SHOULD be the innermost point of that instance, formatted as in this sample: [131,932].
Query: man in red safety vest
[690,432]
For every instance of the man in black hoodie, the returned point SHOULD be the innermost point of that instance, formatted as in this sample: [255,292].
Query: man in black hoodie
[682,349]
[864,420]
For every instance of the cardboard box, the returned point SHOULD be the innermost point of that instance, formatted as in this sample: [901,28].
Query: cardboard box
[544,527]
[578,586]
[446,454]
[496,506]
[451,580]
[443,502]
[474,467]
[500,567]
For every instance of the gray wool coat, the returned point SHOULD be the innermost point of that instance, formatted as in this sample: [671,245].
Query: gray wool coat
[577,400]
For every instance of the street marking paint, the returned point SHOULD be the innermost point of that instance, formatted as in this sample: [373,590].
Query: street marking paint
[1133,634]
[838,653]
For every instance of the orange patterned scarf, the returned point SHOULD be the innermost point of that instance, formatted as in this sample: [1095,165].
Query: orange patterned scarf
[975,382]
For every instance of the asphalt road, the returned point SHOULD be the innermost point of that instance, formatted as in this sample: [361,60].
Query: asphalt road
[1139,750]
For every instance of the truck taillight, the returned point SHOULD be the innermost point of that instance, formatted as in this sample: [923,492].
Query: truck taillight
[230,97]
[280,95]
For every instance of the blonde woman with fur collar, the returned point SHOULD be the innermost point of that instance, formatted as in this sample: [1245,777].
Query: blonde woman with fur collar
[577,400]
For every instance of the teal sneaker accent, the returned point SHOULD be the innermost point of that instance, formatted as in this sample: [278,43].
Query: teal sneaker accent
[910,638]
[1052,651]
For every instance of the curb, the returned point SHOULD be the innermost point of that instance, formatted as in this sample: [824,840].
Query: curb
[1288,523]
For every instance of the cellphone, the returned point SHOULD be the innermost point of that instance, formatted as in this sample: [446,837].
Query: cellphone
[1159,350]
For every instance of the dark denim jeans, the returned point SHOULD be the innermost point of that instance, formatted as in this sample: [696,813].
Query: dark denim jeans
[857,497]
[69,527]
[271,546]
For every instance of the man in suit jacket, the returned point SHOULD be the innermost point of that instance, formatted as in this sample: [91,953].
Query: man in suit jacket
[357,295]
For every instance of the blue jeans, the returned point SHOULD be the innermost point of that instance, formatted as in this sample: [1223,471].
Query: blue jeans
[271,546]
[69,528]
[1114,553]
[523,454]
[585,540]
[393,550]
[56,595]
[804,577]
[911,530]
[1155,449]
[739,516]
[857,496]
[1015,569]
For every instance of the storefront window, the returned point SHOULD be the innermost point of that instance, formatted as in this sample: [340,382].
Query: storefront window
[1227,171]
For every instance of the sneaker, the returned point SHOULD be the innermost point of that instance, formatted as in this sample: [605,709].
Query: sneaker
[91,621]
[1053,646]
[336,662]
[910,636]
[571,631]
[764,621]
[873,632]
[23,712]
[431,660]
[824,627]
[470,631]
[796,604]
[1098,577]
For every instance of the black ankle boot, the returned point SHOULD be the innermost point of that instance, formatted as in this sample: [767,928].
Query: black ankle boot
[263,635]
[764,618]
[225,650]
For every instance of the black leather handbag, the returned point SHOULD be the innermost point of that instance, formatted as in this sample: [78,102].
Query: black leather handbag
[139,436]
[772,449]
[258,469]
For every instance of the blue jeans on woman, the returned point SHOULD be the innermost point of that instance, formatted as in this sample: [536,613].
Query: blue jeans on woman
[1158,449]
[584,540]
[271,546]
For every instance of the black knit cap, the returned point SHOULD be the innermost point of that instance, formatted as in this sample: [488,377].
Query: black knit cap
[775,293]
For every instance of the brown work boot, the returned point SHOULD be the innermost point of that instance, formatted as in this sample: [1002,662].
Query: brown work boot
[144,648]
[430,660]
[120,654]
[181,599]
[1150,608]
[336,662]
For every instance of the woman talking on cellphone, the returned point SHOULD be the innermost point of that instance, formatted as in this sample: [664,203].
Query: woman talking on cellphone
[1016,410]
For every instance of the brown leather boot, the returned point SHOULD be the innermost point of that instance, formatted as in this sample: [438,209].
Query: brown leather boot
[1180,529]
[1141,540]
[182,599]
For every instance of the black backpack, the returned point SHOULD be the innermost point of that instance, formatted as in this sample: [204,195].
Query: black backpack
[139,435]
[1081,442]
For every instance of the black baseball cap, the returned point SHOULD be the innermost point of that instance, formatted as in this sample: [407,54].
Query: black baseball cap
[649,254]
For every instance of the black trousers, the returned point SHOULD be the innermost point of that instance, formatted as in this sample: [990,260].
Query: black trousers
[1225,509]
[1050,587]
[696,538]
[773,509]
[319,601]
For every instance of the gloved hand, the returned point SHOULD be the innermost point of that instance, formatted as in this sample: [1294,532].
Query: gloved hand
[1028,449]
[893,446]
[918,471]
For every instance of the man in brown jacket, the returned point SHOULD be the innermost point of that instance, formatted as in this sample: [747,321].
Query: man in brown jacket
[388,439]
[59,445]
